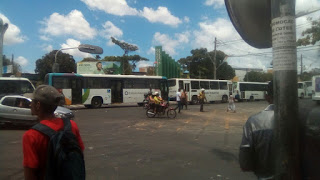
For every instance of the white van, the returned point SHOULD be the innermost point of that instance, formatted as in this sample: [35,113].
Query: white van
[15,86]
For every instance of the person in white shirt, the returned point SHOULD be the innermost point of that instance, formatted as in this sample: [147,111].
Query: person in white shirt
[231,105]
[178,99]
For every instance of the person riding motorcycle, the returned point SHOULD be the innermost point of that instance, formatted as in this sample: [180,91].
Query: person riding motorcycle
[157,100]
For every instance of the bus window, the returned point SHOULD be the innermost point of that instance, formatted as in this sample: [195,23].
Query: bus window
[195,85]
[204,84]
[171,83]
[181,85]
[214,85]
[61,82]
[223,85]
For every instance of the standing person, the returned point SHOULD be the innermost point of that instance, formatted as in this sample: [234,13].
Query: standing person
[36,143]
[184,99]
[178,99]
[231,105]
[202,97]
[99,69]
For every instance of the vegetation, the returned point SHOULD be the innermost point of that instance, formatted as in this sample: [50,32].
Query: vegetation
[254,76]
[200,65]
[311,35]
[66,63]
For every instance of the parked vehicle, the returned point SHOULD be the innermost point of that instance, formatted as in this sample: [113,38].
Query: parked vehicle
[15,110]
[15,85]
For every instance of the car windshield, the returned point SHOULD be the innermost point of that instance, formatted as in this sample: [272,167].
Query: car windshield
[170,89]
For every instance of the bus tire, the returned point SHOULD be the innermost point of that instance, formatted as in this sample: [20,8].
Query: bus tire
[194,100]
[302,96]
[224,99]
[96,102]
[251,98]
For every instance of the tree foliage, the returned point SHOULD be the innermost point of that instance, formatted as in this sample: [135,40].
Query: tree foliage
[254,76]
[200,65]
[66,63]
[311,35]
[16,69]
[129,62]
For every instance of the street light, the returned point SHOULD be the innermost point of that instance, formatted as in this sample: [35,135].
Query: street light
[83,48]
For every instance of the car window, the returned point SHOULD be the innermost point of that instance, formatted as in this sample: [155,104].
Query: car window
[22,103]
[9,101]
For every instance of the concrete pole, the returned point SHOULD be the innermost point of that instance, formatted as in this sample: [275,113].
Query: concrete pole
[3,28]
[214,59]
[286,127]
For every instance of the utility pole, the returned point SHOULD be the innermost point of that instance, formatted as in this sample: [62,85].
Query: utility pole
[301,67]
[3,28]
[214,59]
[286,126]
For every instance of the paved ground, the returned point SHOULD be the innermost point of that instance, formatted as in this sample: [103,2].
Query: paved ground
[122,143]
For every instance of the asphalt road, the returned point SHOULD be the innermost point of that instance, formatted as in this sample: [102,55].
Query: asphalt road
[122,143]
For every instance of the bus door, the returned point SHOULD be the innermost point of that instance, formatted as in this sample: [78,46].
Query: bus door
[117,91]
[76,91]
[187,88]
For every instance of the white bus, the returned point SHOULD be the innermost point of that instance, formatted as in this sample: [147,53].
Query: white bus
[249,90]
[94,90]
[216,90]
[316,88]
[15,86]
[301,90]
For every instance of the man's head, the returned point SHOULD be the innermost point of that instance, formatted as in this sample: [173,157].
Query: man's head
[202,90]
[269,93]
[156,93]
[45,101]
[99,65]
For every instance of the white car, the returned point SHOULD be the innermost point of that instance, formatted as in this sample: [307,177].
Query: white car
[15,110]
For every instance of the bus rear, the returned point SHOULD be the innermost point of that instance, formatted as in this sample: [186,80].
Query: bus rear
[316,89]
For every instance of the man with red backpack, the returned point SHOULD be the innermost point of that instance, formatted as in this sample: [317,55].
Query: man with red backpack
[54,145]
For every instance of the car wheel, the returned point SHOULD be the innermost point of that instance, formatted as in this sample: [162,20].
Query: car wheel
[96,102]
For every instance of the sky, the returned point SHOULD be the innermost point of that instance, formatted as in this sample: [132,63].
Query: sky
[38,27]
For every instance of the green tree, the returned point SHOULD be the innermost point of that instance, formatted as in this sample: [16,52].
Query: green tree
[254,76]
[311,35]
[66,63]
[129,62]
[16,68]
[200,65]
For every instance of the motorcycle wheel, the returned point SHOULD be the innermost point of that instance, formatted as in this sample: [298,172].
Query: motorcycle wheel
[171,113]
[150,113]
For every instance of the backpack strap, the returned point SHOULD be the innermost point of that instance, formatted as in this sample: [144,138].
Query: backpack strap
[67,124]
[44,129]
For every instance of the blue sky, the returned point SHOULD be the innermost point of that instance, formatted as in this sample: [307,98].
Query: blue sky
[38,27]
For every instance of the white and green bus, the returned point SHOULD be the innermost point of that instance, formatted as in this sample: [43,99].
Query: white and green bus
[94,90]
[216,90]
[249,90]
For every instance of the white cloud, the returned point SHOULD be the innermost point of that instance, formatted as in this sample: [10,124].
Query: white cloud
[215,3]
[115,7]
[171,44]
[303,5]
[73,24]
[70,43]
[45,38]
[141,64]
[152,50]
[13,33]
[110,30]
[47,48]
[186,19]
[161,15]
[22,61]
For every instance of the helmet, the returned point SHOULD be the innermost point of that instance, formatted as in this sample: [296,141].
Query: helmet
[202,89]
[156,93]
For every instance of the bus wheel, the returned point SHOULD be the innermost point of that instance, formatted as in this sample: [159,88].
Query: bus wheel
[302,96]
[194,100]
[224,99]
[96,102]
